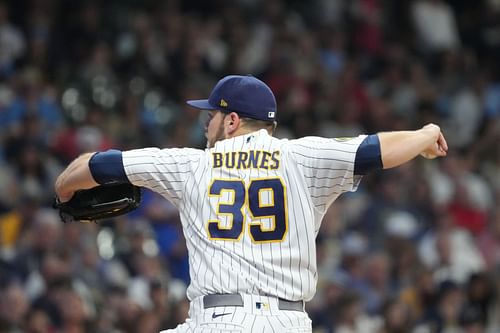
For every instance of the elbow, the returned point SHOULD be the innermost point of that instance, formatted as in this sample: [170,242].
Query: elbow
[389,163]
[368,156]
[391,159]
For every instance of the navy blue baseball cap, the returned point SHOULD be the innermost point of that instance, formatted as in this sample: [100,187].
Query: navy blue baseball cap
[246,95]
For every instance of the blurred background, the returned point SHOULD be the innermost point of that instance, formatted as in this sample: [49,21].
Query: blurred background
[415,249]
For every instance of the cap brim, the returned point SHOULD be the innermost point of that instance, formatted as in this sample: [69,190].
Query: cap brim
[201,104]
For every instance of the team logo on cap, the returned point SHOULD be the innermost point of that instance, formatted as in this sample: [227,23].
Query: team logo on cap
[223,103]
[270,114]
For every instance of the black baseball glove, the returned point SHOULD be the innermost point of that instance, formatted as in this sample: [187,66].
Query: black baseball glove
[100,202]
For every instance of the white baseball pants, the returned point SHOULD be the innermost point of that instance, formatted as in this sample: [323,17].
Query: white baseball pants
[258,314]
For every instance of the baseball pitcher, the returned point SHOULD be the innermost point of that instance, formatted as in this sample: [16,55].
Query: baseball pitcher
[250,204]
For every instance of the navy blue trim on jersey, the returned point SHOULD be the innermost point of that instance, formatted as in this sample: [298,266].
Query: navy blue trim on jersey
[107,167]
[368,156]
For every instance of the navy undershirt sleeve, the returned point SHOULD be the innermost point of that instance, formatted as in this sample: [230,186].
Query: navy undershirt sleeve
[107,167]
[368,156]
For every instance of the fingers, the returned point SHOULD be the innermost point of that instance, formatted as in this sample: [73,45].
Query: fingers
[64,197]
[440,152]
[442,142]
[442,145]
[438,149]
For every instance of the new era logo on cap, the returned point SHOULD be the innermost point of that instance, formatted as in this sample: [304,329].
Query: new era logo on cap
[245,95]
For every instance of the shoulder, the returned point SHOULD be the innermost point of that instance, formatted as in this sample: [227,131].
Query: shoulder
[153,151]
[169,156]
[322,143]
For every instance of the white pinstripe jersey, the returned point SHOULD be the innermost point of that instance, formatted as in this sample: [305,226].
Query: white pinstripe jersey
[250,207]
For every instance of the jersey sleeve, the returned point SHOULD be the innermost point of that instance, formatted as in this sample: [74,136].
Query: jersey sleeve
[327,166]
[164,171]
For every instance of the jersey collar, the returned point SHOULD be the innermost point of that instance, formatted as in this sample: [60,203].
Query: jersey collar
[258,133]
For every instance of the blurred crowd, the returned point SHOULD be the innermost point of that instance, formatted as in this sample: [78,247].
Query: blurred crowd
[415,249]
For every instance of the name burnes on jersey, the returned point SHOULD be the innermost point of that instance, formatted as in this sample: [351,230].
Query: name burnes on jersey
[251,159]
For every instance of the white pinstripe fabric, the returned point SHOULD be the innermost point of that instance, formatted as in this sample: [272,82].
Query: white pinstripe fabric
[248,318]
[315,172]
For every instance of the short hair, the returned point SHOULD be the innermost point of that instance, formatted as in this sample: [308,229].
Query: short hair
[257,124]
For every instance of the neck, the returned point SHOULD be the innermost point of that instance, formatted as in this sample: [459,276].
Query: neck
[240,131]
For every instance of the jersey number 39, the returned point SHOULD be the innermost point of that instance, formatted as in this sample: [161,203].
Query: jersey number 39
[274,208]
